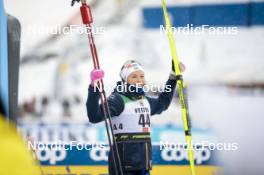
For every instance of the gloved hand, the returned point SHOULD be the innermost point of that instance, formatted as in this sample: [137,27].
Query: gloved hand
[96,75]
[173,74]
[182,67]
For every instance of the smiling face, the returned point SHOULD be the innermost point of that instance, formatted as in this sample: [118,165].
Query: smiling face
[136,78]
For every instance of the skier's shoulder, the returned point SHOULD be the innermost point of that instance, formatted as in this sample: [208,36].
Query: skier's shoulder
[150,98]
[116,98]
[116,103]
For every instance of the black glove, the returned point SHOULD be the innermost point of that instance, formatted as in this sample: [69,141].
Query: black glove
[172,66]
[172,73]
[182,67]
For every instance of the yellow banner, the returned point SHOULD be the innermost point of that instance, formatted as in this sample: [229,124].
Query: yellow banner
[157,170]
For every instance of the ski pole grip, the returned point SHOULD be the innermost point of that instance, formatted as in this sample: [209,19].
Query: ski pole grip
[86,14]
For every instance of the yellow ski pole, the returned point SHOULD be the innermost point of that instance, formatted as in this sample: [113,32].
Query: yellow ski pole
[181,90]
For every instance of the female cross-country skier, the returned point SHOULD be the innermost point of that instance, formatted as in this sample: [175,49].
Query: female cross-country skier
[130,110]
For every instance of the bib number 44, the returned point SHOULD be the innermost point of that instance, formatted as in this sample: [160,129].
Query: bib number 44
[144,120]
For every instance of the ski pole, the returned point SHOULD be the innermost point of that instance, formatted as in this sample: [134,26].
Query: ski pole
[181,90]
[87,20]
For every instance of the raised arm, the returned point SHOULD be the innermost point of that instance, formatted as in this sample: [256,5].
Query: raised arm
[160,104]
[94,108]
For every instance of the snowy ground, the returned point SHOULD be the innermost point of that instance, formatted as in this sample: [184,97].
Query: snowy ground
[236,116]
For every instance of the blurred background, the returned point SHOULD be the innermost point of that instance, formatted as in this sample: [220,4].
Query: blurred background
[224,70]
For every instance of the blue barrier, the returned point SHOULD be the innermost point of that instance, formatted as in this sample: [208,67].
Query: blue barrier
[257,13]
[86,132]
[153,17]
[86,155]
[220,15]
[238,14]
[70,149]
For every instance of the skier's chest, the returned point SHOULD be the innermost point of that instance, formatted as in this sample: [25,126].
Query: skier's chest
[135,118]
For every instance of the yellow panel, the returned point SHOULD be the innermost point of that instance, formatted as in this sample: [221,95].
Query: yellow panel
[157,170]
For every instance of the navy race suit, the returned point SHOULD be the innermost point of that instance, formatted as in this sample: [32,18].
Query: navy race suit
[131,113]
